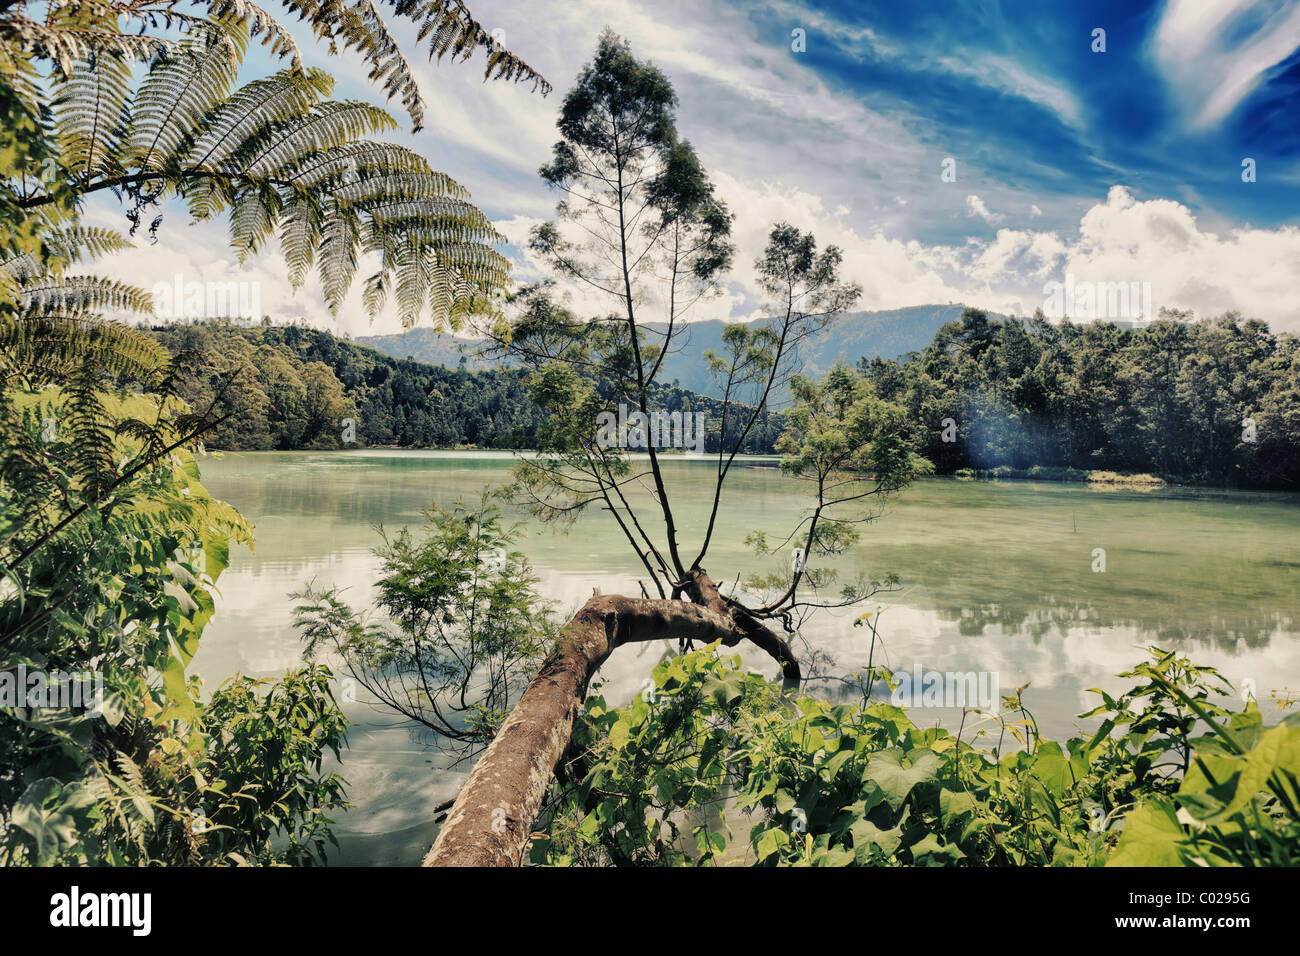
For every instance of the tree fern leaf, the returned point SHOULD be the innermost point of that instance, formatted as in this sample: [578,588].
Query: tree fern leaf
[278,97]
[327,125]
[88,115]
[178,90]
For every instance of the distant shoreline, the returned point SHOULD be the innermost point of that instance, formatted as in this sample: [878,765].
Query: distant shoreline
[1099,478]
[1062,474]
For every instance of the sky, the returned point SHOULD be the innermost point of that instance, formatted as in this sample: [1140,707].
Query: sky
[1163,150]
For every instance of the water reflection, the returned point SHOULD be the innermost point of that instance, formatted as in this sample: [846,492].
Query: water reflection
[996,578]
[1205,626]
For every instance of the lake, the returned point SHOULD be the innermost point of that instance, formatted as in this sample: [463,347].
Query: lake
[996,578]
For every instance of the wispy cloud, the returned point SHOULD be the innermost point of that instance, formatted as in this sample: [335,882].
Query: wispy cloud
[976,208]
[1214,53]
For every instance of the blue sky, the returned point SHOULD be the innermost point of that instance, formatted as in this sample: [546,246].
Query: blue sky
[1019,88]
[1117,166]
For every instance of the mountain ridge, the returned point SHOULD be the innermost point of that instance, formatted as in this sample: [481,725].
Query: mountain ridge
[888,333]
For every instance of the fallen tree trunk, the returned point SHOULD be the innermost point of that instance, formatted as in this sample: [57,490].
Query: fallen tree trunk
[492,818]
[703,591]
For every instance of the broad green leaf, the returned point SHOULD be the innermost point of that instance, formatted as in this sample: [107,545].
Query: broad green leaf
[953,805]
[619,735]
[837,760]
[930,852]
[887,771]
[182,598]
[48,813]
[180,704]
[866,835]
[1151,837]
[1052,767]
[770,842]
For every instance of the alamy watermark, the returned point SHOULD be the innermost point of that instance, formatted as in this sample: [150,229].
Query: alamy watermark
[1097,300]
[21,687]
[635,430]
[75,908]
[922,688]
[179,299]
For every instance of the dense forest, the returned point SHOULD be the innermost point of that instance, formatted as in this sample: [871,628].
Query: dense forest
[1201,402]
[296,386]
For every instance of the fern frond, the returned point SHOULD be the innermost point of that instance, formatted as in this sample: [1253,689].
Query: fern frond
[278,155]
[338,259]
[75,243]
[418,185]
[70,33]
[80,294]
[252,219]
[180,88]
[325,126]
[411,268]
[276,98]
[88,117]
[48,348]
[374,294]
[452,30]
[345,163]
[66,46]
[261,24]
[299,236]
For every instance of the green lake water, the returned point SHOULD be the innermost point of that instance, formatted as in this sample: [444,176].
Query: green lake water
[994,578]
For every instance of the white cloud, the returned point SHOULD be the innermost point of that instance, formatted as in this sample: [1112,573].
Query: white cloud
[890,270]
[976,207]
[1015,253]
[1213,53]
[1005,76]
[1255,271]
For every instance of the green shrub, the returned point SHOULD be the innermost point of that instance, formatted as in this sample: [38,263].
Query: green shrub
[666,779]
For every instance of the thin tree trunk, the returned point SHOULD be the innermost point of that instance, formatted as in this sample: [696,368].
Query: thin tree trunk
[491,821]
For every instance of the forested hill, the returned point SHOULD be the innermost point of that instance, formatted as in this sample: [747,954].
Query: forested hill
[298,384]
[1212,402]
[888,334]
[432,347]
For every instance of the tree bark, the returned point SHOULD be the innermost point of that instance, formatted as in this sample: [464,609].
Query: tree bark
[702,590]
[491,821]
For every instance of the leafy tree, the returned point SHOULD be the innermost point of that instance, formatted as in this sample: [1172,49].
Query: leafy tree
[1205,402]
[657,240]
[111,553]
[460,634]
[326,405]
[392,402]
[109,546]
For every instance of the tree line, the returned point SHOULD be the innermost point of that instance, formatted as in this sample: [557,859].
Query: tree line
[294,387]
[1198,402]
[1214,401]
